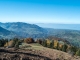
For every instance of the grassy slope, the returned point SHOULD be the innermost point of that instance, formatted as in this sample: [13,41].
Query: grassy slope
[50,53]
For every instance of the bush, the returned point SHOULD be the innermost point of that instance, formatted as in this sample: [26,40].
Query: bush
[9,44]
[29,40]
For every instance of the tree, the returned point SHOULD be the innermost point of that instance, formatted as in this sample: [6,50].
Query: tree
[45,43]
[64,48]
[51,45]
[17,44]
[78,52]
[9,44]
[29,40]
[57,47]
[72,50]
[55,43]
[3,42]
[39,41]
[48,43]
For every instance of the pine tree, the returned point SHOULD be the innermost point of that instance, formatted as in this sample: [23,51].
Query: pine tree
[72,50]
[64,48]
[57,46]
[17,44]
[78,52]
[51,46]
[45,43]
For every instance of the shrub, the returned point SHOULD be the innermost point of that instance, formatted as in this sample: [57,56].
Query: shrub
[29,40]
[9,44]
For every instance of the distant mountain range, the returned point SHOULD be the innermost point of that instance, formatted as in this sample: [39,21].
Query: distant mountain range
[59,26]
[24,30]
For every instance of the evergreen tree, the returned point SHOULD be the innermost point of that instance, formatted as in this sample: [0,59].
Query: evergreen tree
[64,48]
[17,44]
[45,43]
[73,50]
[78,52]
[57,46]
[52,44]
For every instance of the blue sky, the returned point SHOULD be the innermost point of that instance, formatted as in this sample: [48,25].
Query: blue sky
[40,11]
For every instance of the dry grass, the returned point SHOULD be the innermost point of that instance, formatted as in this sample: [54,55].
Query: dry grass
[34,46]
[37,52]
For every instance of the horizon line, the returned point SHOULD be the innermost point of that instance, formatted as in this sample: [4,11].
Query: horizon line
[38,22]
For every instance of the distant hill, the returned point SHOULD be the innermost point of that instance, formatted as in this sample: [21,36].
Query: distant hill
[73,36]
[6,34]
[59,26]
[25,29]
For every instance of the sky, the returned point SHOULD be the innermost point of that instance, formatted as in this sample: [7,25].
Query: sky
[40,11]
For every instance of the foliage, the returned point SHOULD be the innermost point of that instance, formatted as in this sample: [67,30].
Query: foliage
[13,43]
[72,50]
[39,41]
[64,48]
[48,43]
[52,44]
[17,44]
[2,42]
[57,47]
[78,52]
[45,43]
[55,43]
[29,40]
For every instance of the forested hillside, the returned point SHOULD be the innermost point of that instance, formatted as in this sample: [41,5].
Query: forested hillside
[25,29]
[73,36]
[6,33]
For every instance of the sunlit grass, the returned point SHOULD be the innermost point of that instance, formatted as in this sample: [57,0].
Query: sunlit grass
[34,46]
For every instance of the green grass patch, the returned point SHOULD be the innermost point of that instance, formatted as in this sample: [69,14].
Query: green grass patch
[35,46]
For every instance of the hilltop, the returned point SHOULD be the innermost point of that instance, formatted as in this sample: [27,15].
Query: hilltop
[35,54]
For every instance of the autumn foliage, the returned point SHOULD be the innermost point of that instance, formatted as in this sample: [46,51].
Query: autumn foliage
[29,40]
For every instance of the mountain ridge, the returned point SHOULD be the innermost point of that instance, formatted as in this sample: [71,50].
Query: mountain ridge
[4,33]
[25,29]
